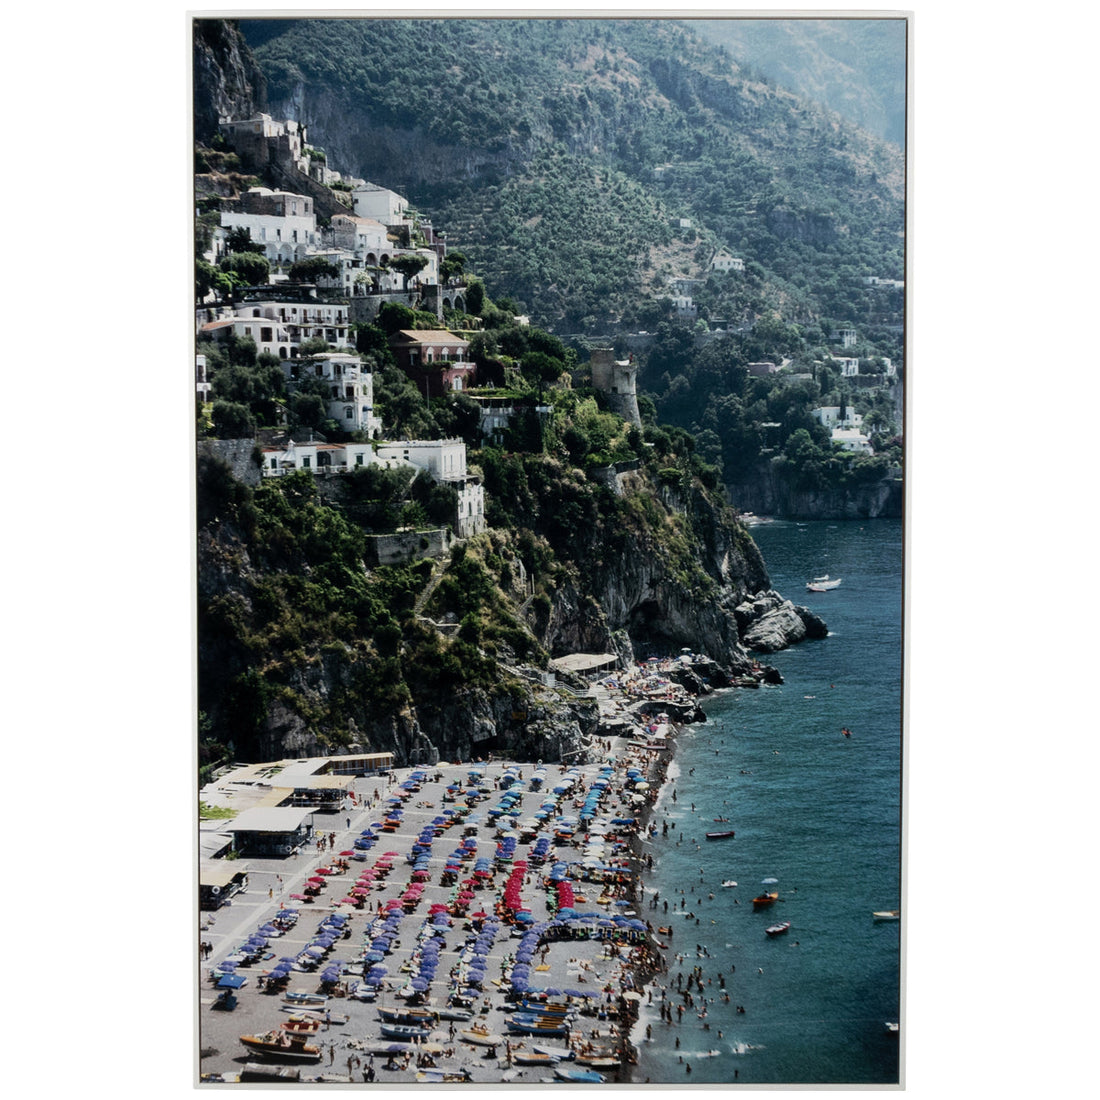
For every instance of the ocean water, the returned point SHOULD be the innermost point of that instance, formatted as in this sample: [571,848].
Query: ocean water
[819,812]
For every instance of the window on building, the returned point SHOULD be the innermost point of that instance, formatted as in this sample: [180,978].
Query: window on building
[305,462]
[349,412]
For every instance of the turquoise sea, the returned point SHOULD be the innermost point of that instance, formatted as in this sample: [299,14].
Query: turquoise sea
[816,810]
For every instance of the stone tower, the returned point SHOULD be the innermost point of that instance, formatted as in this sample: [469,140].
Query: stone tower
[617,379]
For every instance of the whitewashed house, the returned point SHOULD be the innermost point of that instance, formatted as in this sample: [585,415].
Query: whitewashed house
[202,386]
[851,439]
[444,460]
[837,416]
[385,206]
[351,389]
[724,262]
[283,222]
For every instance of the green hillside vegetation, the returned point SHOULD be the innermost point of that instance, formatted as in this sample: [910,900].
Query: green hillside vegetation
[582,145]
[301,600]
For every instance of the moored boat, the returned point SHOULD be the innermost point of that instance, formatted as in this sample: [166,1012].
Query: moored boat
[823,584]
[765,899]
[728,883]
[720,835]
[886,914]
[777,929]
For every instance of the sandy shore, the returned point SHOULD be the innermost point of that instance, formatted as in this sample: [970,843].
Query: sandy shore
[600,976]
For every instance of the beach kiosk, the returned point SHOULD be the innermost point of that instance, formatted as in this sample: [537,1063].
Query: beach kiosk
[219,880]
[271,830]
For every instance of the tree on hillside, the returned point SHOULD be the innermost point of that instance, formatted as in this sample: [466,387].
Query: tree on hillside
[239,239]
[208,278]
[408,266]
[232,420]
[311,269]
[475,297]
[451,266]
[250,268]
[540,369]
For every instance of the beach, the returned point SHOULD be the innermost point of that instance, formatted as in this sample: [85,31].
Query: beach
[495,902]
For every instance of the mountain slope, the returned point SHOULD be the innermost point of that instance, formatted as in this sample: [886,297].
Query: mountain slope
[563,156]
[855,67]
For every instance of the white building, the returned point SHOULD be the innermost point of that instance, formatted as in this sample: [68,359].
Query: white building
[723,261]
[351,387]
[830,416]
[848,337]
[849,367]
[851,439]
[372,201]
[443,459]
[280,325]
[202,386]
[283,222]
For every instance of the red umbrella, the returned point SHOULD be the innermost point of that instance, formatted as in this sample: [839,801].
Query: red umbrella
[347,852]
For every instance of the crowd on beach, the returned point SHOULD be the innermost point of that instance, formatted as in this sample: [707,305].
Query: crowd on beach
[558,921]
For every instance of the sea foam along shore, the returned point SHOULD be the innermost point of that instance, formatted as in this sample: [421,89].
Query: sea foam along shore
[526,910]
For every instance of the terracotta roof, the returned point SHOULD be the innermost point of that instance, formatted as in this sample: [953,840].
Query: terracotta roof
[429,336]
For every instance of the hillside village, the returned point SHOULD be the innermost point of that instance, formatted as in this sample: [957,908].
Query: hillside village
[336,250]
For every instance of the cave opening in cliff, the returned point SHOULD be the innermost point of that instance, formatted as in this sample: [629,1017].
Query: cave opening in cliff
[647,630]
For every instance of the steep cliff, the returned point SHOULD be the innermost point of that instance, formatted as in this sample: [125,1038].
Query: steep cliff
[227,82]
[760,490]
[304,650]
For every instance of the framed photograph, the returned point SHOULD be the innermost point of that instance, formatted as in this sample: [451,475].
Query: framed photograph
[550,526]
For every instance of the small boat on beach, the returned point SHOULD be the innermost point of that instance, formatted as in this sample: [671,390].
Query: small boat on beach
[301,1025]
[480,1036]
[304,1000]
[777,929]
[720,835]
[551,1026]
[823,584]
[583,1076]
[421,1017]
[282,1044]
[765,899]
[321,1016]
[534,1058]
[886,914]
[407,1032]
